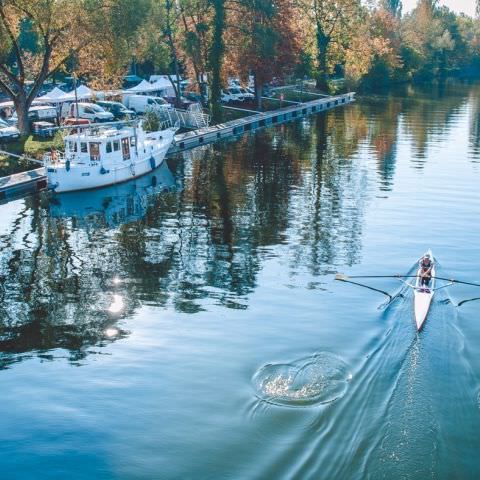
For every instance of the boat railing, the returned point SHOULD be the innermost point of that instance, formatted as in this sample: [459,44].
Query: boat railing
[53,157]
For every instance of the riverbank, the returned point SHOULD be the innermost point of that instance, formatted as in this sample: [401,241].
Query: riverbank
[30,146]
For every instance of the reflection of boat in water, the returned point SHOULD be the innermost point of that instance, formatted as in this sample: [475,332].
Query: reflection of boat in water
[114,205]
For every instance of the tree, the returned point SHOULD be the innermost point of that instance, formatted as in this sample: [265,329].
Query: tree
[392,6]
[334,22]
[158,41]
[374,51]
[266,38]
[195,22]
[215,59]
[50,24]
[84,30]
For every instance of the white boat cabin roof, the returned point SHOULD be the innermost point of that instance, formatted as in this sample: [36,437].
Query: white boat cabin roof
[99,134]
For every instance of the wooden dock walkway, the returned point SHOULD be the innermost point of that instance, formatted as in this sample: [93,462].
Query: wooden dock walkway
[18,184]
[31,181]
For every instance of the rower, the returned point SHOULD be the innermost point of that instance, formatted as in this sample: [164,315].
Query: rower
[426,266]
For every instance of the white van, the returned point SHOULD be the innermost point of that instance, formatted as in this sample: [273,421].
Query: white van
[142,103]
[89,111]
[37,113]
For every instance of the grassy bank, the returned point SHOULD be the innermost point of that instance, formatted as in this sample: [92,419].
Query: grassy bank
[31,146]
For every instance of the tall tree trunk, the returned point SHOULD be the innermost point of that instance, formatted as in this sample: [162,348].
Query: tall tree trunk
[173,53]
[22,106]
[322,49]
[216,59]
[258,91]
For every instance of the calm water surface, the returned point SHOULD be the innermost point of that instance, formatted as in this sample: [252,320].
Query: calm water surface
[188,326]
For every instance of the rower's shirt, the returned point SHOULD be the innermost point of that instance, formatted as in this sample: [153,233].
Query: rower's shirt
[426,264]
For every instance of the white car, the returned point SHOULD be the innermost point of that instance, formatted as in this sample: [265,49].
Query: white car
[247,94]
[232,94]
[8,132]
[225,97]
[88,111]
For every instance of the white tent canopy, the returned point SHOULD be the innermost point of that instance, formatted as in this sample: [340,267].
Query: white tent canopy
[83,92]
[55,96]
[163,86]
[58,96]
[143,86]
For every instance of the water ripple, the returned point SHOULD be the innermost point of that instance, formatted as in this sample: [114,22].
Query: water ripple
[318,379]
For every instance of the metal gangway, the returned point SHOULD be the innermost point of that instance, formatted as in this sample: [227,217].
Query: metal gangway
[192,119]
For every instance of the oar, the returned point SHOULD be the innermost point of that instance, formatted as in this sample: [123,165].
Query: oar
[377,276]
[345,278]
[468,300]
[458,281]
[451,280]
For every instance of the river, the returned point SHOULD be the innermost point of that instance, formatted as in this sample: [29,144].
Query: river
[187,325]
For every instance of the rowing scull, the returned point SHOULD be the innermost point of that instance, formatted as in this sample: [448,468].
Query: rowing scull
[423,295]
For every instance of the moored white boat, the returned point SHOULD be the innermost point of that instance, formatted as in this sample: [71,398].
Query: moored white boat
[423,295]
[99,156]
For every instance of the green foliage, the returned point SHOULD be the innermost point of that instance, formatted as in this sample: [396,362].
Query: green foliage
[151,122]
[305,66]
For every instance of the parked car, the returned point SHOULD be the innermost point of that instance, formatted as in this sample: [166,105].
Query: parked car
[184,102]
[43,129]
[8,132]
[37,113]
[88,111]
[247,94]
[117,109]
[193,96]
[142,103]
[232,94]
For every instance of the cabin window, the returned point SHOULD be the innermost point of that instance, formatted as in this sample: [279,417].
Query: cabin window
[125,149]
[116,146]
[109,147]
[132,141]
[72,146]
[83,147]
[94,151]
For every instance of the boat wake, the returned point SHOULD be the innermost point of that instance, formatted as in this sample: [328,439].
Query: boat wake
[389,416]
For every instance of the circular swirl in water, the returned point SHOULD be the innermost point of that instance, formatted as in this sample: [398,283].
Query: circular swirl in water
[318,379]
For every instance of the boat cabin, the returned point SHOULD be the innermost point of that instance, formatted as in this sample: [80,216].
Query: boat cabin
[108,146]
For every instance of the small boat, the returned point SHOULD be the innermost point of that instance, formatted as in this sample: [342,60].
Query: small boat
[423,295]
[98,156]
